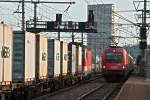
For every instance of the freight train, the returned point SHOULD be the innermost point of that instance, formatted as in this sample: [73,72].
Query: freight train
[31,64]
[116,62]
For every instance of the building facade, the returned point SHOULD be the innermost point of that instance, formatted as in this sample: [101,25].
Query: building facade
[106,29]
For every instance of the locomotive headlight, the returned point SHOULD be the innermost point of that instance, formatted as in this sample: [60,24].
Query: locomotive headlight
[104,67]
[123,67]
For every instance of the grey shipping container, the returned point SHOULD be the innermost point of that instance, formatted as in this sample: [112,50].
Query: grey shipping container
[79,58]
[63,58]
[41,56]
[53,58]
[23,56]
[6,40]
[72,68]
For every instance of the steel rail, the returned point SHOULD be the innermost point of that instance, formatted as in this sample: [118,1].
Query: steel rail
[109,93]
[69,88]
[90,92]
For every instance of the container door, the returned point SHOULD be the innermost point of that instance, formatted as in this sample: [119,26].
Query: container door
[80,60]
[43,57]
[50,58]
[30,46]
[57,58]
[74,59]
[18,56]
[65,58]
[6,53]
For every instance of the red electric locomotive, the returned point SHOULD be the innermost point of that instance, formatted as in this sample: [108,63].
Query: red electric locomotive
[116,62]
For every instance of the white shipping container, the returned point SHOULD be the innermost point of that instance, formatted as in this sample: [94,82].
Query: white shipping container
[41,56]
[79,59]
[64,58]
[24,46]
[72,58]
[53,58]
[6,41]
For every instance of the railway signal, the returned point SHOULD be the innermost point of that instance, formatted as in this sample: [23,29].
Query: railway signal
[143,33]
[143,42]
[62,26]
[143,45]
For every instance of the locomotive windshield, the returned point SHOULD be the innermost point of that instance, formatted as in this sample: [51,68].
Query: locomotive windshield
[113,57]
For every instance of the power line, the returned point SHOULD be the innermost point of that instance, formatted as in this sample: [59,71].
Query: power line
[53,8]
[101,1]
[125,19]
[35,2]
[127,31]
[126,11]
[40,13]
[86,1]
[61,11]
[96,1]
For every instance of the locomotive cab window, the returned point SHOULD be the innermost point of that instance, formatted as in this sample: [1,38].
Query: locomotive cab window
[113,57]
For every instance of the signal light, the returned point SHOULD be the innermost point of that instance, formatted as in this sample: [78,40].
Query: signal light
[123,67]
[143,44]
[104,67]
[59,18]
[143,33]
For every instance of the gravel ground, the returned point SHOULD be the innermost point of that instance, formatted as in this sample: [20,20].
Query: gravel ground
[75,92]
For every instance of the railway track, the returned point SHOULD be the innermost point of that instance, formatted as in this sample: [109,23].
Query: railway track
[103,92]
[94,89]
[84,86]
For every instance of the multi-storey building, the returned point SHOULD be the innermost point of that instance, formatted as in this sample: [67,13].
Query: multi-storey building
[106,29]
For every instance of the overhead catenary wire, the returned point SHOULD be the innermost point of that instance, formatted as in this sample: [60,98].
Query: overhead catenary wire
[10,16]
[101,1]
[42,14]
[64,12]
[123,18]
[127,32]
[86,1]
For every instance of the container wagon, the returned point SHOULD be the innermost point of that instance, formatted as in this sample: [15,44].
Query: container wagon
[24,48]
[41,57]
[79,59]
[6,49]
[63,58]
[72,68]
[41,65]
[53,58]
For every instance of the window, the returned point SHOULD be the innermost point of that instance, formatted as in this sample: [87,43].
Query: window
[113,57]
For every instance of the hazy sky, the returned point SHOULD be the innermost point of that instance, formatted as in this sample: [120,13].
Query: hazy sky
[79,10]
[76,12]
